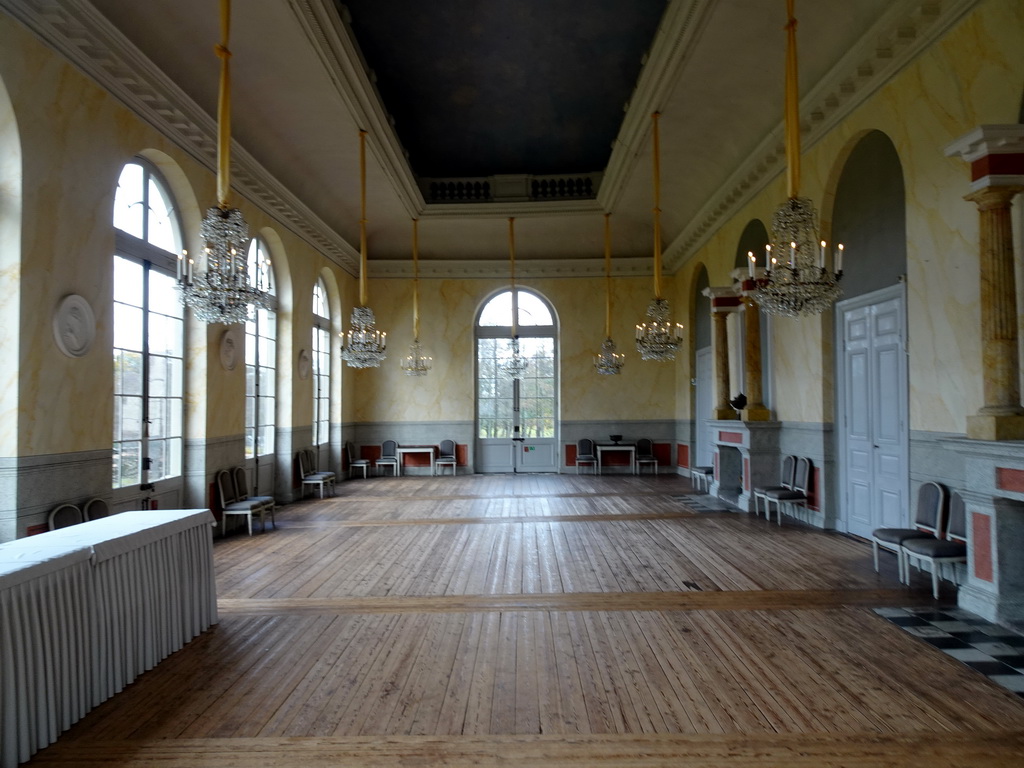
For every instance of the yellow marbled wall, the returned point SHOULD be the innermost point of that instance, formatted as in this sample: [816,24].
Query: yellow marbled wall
[971,77]
[448,310]
[74,140]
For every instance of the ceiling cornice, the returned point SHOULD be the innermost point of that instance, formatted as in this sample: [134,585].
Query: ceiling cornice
[903,33]
[525,269]
[334,44]
[680,26]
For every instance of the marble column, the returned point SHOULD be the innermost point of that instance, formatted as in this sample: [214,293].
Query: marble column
[1001,417]
[996,155]
[755,410]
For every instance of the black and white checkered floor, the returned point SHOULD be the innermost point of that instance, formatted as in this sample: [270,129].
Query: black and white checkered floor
[996,652]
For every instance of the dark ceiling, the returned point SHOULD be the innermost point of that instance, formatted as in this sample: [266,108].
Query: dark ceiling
[485,87]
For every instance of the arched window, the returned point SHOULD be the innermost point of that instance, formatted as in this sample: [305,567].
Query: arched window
[516,419]
[148,331]
[321,365]
[260,361]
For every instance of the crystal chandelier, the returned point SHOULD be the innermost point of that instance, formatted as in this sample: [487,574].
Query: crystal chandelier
[363,346]
[415,363]
[608,362]
[515,366]
[658,337]
[796,279]
[223,293]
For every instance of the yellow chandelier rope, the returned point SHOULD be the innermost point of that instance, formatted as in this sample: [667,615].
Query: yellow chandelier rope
[657,205]
[607,276]
[792,113]
[415,281]
[512,261]
[224,108]
[362,219]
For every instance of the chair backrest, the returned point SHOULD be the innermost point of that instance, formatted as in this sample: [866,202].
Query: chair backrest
[95,509]
[956,530]
[447,449]
[585,447]
[932,503]
[225,487]
[802,475]
[64,516]
[788,470]
[389,449]
[350,451]
[241,484]
[645,447]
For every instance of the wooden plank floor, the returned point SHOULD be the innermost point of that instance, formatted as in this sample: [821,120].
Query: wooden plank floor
[548,621]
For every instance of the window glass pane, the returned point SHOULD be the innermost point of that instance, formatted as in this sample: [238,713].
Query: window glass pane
[127,464]
[267,381]
[127,281]
[175,376]
[158,376]
[131,418]
[127,373]
[266,440]
[157,452]
[533,311]
[163,295]
[497,311]
[163,228]
[127,327]
[250,442]
[128,203]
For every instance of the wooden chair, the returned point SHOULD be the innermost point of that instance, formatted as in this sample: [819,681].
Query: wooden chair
[311,476]
[645,455]
[388,457]
[951,548]
[797,495]
[700,478]
[231,505]
[95,509]
[585,454]
[446,457]
[64,516]
[785,483]
[242,493]
[929,518]
[353,462]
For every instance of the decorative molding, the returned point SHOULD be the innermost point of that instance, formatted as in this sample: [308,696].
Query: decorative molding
[74,326]
[906,29]
[530,269]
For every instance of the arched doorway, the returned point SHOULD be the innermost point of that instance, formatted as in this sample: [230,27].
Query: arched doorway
[516,418]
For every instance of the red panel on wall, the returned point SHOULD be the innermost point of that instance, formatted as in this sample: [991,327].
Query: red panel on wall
[1010,479]
[730,437]
[33,530]
[981,541]
[1009,164]
[462,454]
[746,475]
[663,453]
[570,454]
[683,455]
[812,495]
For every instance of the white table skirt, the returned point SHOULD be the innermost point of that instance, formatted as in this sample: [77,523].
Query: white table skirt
[85,610]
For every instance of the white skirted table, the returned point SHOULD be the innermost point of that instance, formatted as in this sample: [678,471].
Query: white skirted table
[85,610]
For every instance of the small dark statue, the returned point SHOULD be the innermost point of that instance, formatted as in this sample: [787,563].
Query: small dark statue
[739,402]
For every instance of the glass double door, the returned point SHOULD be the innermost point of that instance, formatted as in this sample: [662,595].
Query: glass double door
[516,418]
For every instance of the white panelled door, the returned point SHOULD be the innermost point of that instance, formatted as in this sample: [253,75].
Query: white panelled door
[873,417]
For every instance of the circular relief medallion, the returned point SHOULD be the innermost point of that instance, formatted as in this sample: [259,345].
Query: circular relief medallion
[304,364]
[74,326]
[229,349]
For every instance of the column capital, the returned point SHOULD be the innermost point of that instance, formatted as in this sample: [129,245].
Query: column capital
[992,198]
[723,299]
[996,155]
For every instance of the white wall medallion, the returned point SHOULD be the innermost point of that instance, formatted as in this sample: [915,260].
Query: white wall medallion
[304,364]
[74,326]
[230,348]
